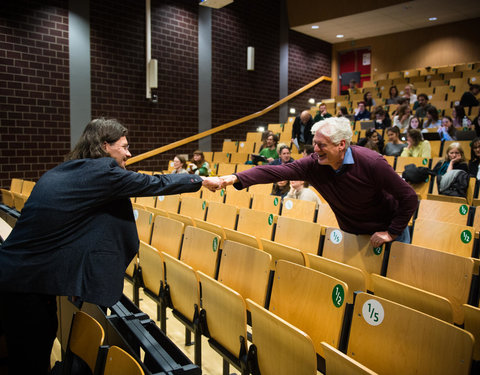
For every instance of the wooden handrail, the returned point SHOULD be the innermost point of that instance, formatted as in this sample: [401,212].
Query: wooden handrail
[217,129]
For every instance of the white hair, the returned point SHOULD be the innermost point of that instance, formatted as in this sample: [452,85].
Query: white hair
[335,128]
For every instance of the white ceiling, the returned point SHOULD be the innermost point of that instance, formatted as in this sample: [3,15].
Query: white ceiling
[393,19]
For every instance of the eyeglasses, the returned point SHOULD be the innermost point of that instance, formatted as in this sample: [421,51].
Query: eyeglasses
[125,147]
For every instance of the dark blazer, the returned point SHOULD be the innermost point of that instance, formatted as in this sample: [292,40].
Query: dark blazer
[307,133]
[77,234]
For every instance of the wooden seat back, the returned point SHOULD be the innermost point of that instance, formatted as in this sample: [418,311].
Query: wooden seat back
[246,270]
[213,196]
[168,203]
[167,235]
[27,187]
[200,250]
[456,213]
[354,250]
[441,273]
[268,203]
[402,161]
[146,201]
[418,299]
[226,314]
[326,217]
[472,325]
[120,362]
[355,278]
[382,329]
[274,336]
[451,238]
[301,295]
[151,262]
[7,198]
[261,189]
[299,234]
[257,223]
[238,198]
[338,363]
[144,222]
[16,185]
[244,238]
[222,214]
[193,207]
[279,251]
[182,285]
[299,209]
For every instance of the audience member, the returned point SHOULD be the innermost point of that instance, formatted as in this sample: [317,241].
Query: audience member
[270,151]
[284,156]
[281,188]
[476,124]
[447,131]
[342,112]
[409,94]
[393,95]
[432,121]
[307,150]
[400,102]
[352,87]
[454,159]
[301,130]
[368,99]
[421,105]
[458,115]
[373,140]
[403,116]
[75,237]
[179,164]
[322,113]
[300,190]
[265,135]
[395,146]
[361,113]
[474,159]
[415,123]
[381,118]
[416,145]
[469,97]
[365,193]
[198,165]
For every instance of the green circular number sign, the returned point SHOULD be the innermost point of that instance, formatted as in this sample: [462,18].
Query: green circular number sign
[424,161]
[203,205]
[275,202]
[215,244]
[338,295]
[270,219]
[466,236]
[222,192]
[377,250]
[463,209]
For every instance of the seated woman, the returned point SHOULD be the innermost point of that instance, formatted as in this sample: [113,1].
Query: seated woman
[417,146]
[474,159]
[381,118]
[416,123]
[393,95]
[374,138]
[458,115]
[281,188]
[342,112]
[402,119]
[447,131]
[454,159]
[368,99]
[432,120]
[395,146]
[179,164]
[198,165]
[300,190]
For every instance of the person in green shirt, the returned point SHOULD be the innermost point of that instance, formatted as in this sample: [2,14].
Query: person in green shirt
[322,113]
[270,150]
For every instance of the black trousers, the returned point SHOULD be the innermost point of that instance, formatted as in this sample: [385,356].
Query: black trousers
[29,323]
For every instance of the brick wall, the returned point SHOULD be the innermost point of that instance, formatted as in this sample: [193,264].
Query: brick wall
[308,59]
[34,118]
[34,88]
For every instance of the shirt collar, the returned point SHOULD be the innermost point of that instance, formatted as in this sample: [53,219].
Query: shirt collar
[347,159]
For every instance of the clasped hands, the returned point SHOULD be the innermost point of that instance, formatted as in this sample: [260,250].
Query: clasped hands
[217,183]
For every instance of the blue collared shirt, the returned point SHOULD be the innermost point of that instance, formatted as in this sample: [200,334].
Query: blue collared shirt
[347,159]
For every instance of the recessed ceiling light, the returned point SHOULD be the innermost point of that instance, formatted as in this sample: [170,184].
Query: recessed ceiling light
[432,19]
[315,27]
[340,35]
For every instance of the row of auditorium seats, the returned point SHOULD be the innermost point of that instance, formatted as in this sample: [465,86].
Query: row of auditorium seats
[18,193]
[433,272]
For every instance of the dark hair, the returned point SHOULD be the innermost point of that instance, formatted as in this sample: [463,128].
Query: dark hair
[401,101]
[394,129]
[368,102]
[451,130]
[283,147]
[96,133]
[344,110]
[361,102]
[379,111]
[420,123]
[472,153]
[370,132]
[308,149]
[460,112]
[474,86]
[182,160]
[202,158]
[423,96]
[432,111]
[416,136]
[390,91]
[371,145]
